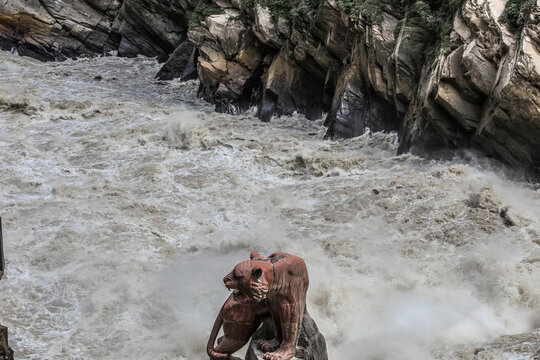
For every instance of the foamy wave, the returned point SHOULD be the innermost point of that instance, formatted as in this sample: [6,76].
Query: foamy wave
[186,131]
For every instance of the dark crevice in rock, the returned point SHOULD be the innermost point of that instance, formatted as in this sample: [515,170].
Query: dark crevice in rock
[268,106]
[181,64]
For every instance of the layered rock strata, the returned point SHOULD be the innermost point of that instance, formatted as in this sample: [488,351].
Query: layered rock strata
[60,29]
[485,93]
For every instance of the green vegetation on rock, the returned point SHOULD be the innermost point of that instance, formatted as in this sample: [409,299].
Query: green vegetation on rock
[516,13]
[429,22]
[203,9]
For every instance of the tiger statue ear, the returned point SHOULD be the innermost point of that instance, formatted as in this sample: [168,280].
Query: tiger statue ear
[258,286]
[256,255]
[257,273]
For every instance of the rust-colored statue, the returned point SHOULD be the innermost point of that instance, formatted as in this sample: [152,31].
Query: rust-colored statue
[280,284]
[240,317]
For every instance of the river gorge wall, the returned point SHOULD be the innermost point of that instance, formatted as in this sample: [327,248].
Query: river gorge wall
[481,89]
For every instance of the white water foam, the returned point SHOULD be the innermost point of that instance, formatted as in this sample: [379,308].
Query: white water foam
[125,201]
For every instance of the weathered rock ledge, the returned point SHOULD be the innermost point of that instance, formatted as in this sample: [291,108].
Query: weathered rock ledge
[484,94]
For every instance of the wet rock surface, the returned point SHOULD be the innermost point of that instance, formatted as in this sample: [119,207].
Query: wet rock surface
[181,64]
[311,343]
[6,353]
[526,346]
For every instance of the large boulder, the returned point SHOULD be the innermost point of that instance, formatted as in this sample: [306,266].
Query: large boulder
[311,343]
[181,64]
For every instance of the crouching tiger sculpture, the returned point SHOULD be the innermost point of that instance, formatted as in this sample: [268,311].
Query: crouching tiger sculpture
[275,286]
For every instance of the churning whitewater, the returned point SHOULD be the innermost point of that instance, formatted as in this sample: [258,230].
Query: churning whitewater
[125,200]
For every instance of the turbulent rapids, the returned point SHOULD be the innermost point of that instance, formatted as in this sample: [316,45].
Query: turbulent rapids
[116,187]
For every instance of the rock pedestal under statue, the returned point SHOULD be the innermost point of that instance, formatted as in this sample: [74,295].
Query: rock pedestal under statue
[311,343]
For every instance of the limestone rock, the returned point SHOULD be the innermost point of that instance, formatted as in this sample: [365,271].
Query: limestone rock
[407,65]
[310,54]
[466,113]
[60,29]
[149,27]
[311,343]
[228,31]
[267,30]
[481,73]
[288,88]
[349,114]
[227,83]
[333,29]
[355,108]
[51,30]
[251,57]
[453,72]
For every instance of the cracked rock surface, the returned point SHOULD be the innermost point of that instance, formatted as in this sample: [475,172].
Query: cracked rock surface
[60,29]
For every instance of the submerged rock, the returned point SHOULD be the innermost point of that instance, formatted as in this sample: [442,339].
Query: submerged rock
[519,346]
[311,343]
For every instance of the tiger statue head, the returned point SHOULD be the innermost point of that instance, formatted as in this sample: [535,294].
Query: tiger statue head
[252,277]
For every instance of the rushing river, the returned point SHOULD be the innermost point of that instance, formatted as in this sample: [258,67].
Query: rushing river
[125,200]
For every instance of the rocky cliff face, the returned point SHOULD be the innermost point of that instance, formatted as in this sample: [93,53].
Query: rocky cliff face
[59,29]
[484,93]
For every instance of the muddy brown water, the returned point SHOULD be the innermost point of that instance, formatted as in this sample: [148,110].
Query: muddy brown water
[125,201]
